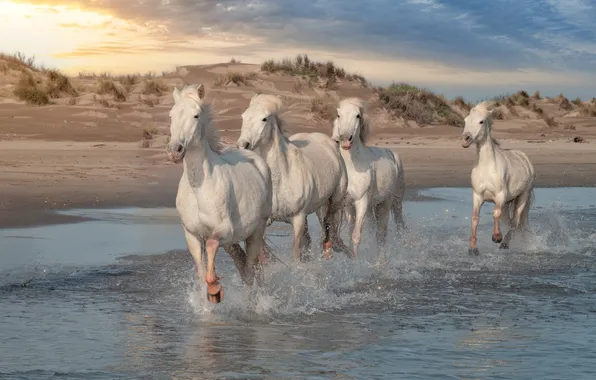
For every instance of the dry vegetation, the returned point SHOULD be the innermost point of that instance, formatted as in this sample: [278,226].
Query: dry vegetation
[303,66]
[420,105]
[234,77]
[36,85]
[322,109]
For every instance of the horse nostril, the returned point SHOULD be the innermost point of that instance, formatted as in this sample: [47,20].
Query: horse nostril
[179,148]
[350,139]
[246,145]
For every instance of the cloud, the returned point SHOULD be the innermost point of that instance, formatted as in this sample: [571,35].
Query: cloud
[495,35]
[499,36]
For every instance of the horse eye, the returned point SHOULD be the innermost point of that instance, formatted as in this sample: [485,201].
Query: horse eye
[196,116]
[265,119]
[338,116]
[481,121]
[358,116]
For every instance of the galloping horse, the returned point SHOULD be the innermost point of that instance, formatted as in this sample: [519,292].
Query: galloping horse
[224,195]
[503,177]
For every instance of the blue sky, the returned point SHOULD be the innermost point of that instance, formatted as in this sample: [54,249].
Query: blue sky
[476,48]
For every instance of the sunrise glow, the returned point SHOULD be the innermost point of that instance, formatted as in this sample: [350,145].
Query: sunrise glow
[76,39]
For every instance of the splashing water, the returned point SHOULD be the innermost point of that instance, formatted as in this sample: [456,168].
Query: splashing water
[429,310]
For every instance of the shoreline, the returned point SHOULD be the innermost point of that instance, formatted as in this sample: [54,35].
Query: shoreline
[48,217]
[39,177]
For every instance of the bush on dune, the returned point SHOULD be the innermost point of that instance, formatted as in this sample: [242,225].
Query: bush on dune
[302,65]
[28,90]
[420,105]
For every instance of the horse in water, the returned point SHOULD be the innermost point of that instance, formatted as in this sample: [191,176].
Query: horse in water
[376,182]
[307,172]
[224,195]
[501,176]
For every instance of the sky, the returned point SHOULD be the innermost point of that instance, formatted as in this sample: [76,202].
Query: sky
[475,48]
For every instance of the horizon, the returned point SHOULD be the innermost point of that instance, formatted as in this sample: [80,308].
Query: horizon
[429,43]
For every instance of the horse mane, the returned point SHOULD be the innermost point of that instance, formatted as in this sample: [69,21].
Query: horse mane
[486,107]
[273,105]
[196,92]
[364,119]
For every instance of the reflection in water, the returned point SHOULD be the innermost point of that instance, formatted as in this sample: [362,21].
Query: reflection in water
[431,312]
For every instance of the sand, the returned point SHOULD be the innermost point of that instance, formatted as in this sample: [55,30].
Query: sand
[89,156]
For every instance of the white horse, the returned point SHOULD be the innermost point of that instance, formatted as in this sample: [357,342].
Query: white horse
[224,195]
[307,172]
[376,181]
[500,176]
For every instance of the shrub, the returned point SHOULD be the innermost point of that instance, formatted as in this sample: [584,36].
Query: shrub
[461,103]
[59,84]
[154,86]
[235,77]
[108,86]
[29,91]
[550,121]
[302,65]
[420,105]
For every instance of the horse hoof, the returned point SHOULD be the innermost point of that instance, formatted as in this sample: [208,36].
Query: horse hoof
[215,293]
[497,238]
[327,254]
[473,251]
[504,246]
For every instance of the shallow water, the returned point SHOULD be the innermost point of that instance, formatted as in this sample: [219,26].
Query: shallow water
[116,298]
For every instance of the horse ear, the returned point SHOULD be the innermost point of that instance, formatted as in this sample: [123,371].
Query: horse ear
[252,100]
[176,95]
[201,91]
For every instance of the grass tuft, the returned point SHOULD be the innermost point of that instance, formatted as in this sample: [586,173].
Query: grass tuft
[239,79]
[302,65]
[420,105]
[28,90]
[155,86]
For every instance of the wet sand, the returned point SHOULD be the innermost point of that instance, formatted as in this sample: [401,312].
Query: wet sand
[40,176]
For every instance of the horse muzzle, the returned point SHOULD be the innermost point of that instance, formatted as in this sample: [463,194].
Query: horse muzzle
[466,141]
[346,145]
[175,152]
[243,145]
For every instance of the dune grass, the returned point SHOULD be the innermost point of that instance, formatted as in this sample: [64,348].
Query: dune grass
[420,105]
[155,87]
[234,77]
[303,66]
[30,91]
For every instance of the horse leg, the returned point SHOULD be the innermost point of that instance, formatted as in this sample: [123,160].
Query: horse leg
[306,239]
[328,220]
[361,206]
[195,247]
[521,208]
[382,211]
[477,201]
[238,256]
[214,288]
[499,202]
[251,266]
[298,223]
[397,210]
[321,213]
